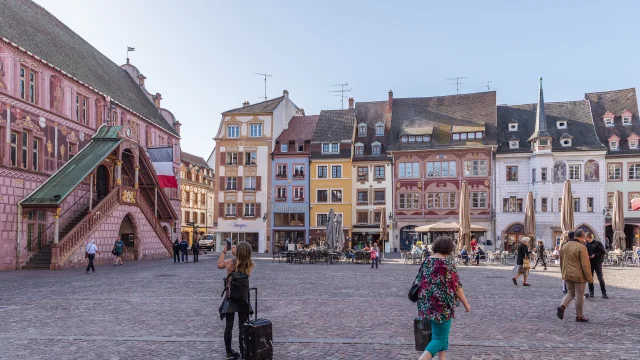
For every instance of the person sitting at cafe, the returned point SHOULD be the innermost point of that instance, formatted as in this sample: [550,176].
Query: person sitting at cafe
[479,253]
[618,251]
[464,254]
[366,248]
[416,251]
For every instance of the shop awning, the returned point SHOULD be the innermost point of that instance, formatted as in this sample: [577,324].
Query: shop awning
[447,226]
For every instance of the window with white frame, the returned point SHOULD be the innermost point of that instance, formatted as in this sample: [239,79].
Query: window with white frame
[512,204]
[475,168]
[250,158]
[232,158]
[614,172]
[426,138]
[233,131]
[478,199]
[514,144]
[250,210]
[281,193]
[543,174]
[321,219]
[404,139]
[375,148]
[336,171]
[613,144]
[362,130]
[441,168]
[284,147]
[512,173]
[298,171]
[359,149]
[322,172]
[590,204]
[409,201]
[409,170]
[634,171]
[544,204]
[298,193]
[576,204]
[300,146]
[608,121]
[379,172]
[335,148]
[574,172]
[322,196]
[231,182]
[513,126]
[229,209]
[565,142]
[441,200]
[336,195]
[281,171]
[633,144]
[380,130]
[255,130]
[626,120]
[250,183]
[561,124]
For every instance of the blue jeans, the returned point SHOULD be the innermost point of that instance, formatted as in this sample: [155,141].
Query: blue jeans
[439,337]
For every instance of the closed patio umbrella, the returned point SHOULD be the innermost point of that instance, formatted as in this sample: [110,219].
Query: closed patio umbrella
[383,230]
[330,228]
[566,212]
[464,234]
[617,221]
[338,234]
[530,219]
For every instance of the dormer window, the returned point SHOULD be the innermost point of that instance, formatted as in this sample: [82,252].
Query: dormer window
[514,144]
[565,142]
[426,138]
[626,120]
[284,147]
[359,149]
[375,148]
[330,148]
[513,126]
[404,139]
[362,130]
[561,124]
[412,139]
[463,136]
[613,145]
[300,146]
[379,129]
[608,121]
[456,136]
[633,144]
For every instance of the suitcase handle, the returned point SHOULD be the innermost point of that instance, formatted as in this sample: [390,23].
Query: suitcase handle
[256,308]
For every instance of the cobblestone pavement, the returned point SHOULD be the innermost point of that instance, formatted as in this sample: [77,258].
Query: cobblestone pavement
[161,310]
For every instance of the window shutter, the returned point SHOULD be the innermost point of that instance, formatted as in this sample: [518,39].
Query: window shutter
[258,183]
[258,212]
[221,210]
[223,185]
[223,158]
[239,210]
[239,183]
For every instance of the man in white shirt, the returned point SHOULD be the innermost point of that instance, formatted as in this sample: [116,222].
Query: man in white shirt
[91,251]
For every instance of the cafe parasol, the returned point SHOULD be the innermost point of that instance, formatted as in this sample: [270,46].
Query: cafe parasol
[617,221]
[530,219]
[464,233]
[448,225]
[383,231]
[330,229]
[566,212]
[338,234]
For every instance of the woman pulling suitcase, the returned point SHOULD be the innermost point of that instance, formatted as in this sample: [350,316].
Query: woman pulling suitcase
[237,293]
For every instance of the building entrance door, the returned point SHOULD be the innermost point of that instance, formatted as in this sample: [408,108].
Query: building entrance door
[102,182]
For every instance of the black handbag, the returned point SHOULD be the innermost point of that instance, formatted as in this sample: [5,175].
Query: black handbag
[422,333]
[415,288]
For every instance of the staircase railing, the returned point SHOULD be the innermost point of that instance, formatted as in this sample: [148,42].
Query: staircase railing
[148,211]
[67,245]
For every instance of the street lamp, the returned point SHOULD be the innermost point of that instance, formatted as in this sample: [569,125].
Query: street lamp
[390,236]
[264,217]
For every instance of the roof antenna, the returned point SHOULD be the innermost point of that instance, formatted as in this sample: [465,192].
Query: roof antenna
[456,82]
[265,83]
[129,49]
[487,84]
[341,91]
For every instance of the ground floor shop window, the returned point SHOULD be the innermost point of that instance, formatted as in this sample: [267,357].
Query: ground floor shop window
[251,238]
[408,236]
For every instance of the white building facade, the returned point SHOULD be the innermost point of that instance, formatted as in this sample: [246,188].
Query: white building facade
[540,146]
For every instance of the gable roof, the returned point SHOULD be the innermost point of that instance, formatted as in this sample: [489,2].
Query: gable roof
[334,125]
[371,114]
[193,159]
[615,102]
[33,28]
[258,108]
[576,113]
[441,114]
[300,128]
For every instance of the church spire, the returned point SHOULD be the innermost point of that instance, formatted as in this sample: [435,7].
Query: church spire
[541,118]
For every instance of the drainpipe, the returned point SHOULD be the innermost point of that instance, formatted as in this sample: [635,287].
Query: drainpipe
[19,235]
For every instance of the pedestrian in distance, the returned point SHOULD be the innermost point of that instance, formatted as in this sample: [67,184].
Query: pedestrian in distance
[576,272]
[184,249]
[522,263]
[91,251]
[176,251]
[440,291]
[238,271]
[596,257]
[195,247]
[540,251]
[118,250]
[374,255]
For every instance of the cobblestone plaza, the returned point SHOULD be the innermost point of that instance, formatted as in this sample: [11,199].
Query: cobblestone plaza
[161,310]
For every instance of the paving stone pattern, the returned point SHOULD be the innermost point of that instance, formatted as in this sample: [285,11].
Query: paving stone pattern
[156,309]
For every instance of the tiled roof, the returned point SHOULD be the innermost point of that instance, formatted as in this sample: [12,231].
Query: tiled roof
[442,113]
[193,159]
[35,29]
[257,108]
[335,125]
[576,113]
[300,128]
[372,113]
[616,102]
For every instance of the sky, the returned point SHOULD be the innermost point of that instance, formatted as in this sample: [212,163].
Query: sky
[201,55]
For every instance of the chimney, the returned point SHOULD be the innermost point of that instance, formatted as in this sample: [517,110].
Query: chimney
[245,104]
[350,103]
[285,93]
[141,79]
[176,127]
[390,101]
[156,100]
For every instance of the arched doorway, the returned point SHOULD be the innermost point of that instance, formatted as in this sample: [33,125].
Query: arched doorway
[408,236]
[102,182]
[129,235]
[512,235]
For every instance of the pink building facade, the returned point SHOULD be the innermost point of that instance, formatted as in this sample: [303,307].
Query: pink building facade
[56,91]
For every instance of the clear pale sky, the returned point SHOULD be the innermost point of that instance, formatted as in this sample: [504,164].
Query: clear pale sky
[201,55]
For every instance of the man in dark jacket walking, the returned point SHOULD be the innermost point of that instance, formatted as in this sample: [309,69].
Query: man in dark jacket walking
[184,248]
[540,258]
[596,257]
[176,251]
[195,247]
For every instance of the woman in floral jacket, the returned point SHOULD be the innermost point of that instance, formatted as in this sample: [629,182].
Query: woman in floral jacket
[440,292]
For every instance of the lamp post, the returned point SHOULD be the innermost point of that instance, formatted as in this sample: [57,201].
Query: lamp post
[390,235]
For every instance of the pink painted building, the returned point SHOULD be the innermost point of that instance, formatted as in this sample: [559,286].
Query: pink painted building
[74,132]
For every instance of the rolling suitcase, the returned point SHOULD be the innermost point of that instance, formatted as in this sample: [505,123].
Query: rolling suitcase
[257,336]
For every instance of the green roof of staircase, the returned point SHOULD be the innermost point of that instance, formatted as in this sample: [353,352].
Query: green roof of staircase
[71,174]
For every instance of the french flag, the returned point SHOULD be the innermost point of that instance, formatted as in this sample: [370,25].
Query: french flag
[635,204]
[162,160]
